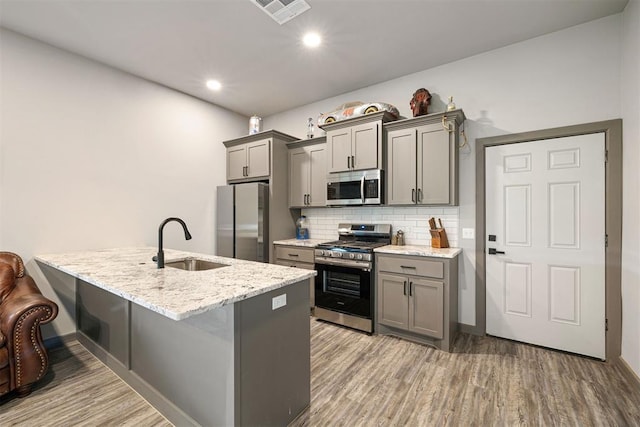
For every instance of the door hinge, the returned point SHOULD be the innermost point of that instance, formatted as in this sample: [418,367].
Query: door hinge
[606,325]
[606,240]
[606,156]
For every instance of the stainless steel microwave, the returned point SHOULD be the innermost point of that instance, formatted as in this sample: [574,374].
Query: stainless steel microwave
[355,188]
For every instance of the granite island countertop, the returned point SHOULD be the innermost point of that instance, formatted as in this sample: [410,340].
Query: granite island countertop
[177,294]
[426,251]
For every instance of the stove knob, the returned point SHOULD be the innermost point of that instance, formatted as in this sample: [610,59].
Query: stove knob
[359,256]
[352,256]
[319,252]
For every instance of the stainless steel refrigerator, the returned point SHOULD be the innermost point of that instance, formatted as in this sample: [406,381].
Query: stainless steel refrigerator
[242,221]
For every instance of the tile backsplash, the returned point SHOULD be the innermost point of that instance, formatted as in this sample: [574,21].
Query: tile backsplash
[323,222]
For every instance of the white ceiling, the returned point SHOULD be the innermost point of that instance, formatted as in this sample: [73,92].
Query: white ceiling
[264,68]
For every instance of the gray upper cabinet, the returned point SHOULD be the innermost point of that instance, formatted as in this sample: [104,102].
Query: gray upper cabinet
[308,173]
[249,161]
[263,157]
[422,159]
[356,144]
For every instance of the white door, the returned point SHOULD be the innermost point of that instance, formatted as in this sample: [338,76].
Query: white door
[545,209]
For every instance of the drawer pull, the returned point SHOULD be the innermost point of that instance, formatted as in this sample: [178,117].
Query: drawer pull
[411,267]
[294,254]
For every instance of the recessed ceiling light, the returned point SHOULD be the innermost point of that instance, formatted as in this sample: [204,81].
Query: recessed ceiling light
[213,84]
[312,39]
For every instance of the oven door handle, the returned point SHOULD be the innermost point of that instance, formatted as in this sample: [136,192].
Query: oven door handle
[362,188]
[342,263]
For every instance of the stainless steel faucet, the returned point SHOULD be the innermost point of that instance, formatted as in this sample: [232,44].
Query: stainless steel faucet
[160,257]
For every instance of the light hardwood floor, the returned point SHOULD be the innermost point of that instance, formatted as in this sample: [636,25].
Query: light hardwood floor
[78,390]
[358,379]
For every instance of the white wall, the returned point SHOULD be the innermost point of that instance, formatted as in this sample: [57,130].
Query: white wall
[564,78]
[92,157]
[630,84]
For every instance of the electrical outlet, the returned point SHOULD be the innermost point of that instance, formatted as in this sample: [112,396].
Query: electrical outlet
[279,301]
[468,233]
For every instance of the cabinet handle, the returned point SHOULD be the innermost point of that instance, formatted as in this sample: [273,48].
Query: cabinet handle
[405,288]
[348,162]
[419,194]
[408,266]
[413,194]
[353,162]
[308,199]
[410,289]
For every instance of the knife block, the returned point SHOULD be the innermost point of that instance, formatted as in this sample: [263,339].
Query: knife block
[439,238]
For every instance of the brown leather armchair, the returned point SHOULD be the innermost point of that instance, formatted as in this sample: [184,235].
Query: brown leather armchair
[23,357]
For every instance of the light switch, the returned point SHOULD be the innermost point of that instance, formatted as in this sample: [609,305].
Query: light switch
[279,301]
[468,233]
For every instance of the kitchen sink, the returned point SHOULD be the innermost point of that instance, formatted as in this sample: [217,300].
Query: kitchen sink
[194,264]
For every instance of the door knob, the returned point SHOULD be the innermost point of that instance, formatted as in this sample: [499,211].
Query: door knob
[493,251]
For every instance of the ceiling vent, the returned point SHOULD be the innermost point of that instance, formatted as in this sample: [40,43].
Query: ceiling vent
[282,10]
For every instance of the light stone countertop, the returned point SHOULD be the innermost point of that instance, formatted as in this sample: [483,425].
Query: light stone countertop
[177,294]
[426,251]
[307,243]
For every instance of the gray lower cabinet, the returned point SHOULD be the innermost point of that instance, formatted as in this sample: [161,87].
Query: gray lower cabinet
[295,256]
[308,173]
[241,364]
[422,159]
[412,304]
[417,298]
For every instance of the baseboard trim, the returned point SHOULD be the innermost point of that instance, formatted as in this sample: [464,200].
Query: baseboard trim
[471,329]
[629,373]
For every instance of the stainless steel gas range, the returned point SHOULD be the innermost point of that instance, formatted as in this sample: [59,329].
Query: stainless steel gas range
[344,284]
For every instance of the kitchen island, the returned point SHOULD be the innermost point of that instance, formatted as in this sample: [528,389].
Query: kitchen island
[225,346]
